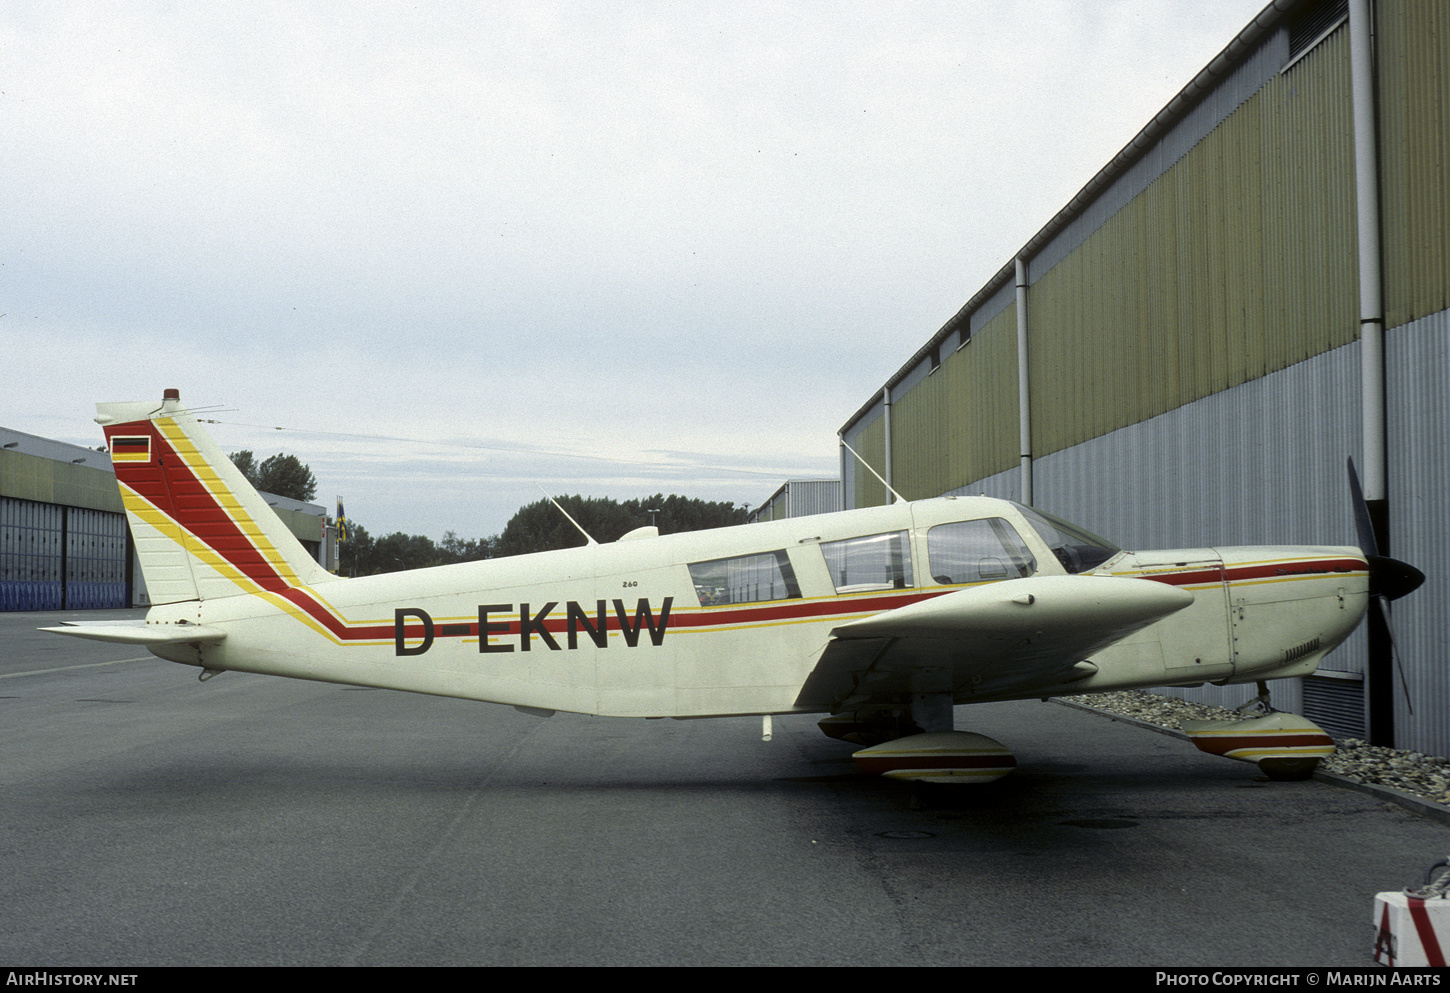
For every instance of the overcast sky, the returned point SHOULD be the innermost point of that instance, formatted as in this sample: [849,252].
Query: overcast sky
[618,248]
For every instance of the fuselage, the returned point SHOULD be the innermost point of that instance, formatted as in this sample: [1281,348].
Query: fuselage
[732,621]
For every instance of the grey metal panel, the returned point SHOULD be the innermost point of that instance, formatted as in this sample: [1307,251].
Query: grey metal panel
[59,451]
[1417,366]
[852,437]
[1260,463]
[993,306]
[1338,705]
[876,410]
[916,375]
[32,539]
[814,496]
[1003,486]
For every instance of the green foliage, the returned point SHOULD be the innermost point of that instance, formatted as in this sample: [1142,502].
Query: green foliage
[537,527]
[363,555]
[282,475]
[285,475]
[246,465]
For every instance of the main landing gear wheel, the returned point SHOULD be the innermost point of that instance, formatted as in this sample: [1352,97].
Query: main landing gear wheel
[942,757]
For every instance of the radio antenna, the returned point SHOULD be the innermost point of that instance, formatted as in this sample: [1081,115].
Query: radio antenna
[588,537]
[899,497]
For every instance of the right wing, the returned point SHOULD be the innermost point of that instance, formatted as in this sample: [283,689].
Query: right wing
[983,641]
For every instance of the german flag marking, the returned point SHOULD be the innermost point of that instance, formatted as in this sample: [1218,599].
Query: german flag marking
[131,448]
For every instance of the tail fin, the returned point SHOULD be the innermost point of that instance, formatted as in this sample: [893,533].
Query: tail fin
[201,530]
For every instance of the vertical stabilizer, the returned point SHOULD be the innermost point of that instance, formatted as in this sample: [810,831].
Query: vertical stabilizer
[201,530]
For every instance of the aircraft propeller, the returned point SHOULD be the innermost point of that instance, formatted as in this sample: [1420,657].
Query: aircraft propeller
[1389,578]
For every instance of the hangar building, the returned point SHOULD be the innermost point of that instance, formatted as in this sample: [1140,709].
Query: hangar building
[799,498]
[64,544]
[1249,293]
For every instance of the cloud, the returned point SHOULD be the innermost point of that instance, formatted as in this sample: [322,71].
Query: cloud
[608,228]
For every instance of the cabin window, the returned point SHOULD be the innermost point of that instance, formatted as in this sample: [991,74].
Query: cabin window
[872,562]
[745,579]
[977,552]
[1076,549]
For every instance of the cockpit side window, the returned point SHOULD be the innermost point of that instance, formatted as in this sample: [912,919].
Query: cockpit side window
[977,552]
[745,579]
[871,562]
[1078,550]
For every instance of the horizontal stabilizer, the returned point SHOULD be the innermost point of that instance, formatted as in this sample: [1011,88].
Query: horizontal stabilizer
[139,632]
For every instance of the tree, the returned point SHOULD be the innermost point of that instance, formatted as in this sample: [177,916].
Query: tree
[455,549]
[286,475]
[363,555]
[246,465]
[355,555]
[282,475]
[539,527]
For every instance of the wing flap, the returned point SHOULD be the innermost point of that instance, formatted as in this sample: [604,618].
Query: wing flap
[984,640]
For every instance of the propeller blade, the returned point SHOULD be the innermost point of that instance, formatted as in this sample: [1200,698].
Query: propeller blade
[1362,526]
[1394,648]
[1388,578]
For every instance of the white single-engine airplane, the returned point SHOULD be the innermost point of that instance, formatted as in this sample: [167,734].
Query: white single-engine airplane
[882,618]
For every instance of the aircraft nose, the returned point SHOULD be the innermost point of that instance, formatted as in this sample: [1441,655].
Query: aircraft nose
[1391,578]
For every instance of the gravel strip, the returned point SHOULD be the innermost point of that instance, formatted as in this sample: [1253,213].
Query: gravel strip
[1424,776]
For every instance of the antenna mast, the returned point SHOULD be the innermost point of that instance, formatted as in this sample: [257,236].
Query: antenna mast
[899,497]
[588,537]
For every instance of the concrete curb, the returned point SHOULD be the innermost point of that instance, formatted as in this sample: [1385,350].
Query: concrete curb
[1411,802]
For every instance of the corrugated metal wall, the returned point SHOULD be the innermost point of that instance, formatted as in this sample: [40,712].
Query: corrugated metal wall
[1418,400]
[1414,106]
[869,441]
[801,498]
[31,539]
[960,422]
[1237,261]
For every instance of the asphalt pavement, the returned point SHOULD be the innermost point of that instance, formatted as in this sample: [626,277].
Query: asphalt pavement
[147,818]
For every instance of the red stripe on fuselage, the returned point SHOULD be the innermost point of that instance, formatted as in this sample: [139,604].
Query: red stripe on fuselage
[1303,569]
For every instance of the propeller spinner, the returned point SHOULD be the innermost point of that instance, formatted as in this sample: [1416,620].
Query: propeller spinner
[1389,578]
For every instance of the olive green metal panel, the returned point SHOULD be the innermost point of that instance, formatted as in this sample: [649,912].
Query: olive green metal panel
[306,527]
[1413,67]
[919,445]
[1239,260]
[870,444]
[960,423]
[32,477]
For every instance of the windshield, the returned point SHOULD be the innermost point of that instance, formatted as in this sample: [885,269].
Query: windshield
[1076,549]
